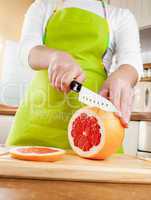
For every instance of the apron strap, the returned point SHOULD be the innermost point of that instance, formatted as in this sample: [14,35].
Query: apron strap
[58,5]
[104,9]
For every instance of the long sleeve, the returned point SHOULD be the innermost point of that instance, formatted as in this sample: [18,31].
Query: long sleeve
[32,31]
[125,43]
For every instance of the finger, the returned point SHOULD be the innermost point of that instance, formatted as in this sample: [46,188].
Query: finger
[115,97]
[51,69]
[65,82]
[53,79]
[122,121]
[105,93]
[58,80]
[126,107]
[124,124]
[126,101]
[105,90]
[64,87]
[81,78]
[67,79]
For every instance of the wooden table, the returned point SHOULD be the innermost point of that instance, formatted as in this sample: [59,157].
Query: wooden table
[23,189]
[72,178]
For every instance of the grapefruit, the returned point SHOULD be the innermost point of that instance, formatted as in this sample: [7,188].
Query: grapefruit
[42,154]
[94,133]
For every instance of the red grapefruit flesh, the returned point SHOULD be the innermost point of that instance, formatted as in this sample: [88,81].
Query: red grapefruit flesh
[94,133]
[42,154]
[86,132]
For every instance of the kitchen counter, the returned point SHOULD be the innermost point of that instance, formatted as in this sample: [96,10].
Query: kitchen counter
[11,110]
[119,177]
[8,110]
[141,116]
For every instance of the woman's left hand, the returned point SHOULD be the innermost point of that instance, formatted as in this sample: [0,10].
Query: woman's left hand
[118,88]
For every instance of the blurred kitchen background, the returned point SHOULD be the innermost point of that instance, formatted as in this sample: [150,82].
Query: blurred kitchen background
[14,78]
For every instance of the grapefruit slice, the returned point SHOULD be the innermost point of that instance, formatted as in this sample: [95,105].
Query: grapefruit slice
[36,153]
[94,133]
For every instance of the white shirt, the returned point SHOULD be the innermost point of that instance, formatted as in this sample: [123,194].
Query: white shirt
[124,33]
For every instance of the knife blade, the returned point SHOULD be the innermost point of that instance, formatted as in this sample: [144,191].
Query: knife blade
[90,98]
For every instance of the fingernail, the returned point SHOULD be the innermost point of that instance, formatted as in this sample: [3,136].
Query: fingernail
[127,119]
[126,122]
[125,125]
[119,114]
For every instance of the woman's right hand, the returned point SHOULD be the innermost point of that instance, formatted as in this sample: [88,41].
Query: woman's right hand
[62,70]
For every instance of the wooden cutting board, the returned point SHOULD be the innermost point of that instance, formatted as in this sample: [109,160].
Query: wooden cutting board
[117,169]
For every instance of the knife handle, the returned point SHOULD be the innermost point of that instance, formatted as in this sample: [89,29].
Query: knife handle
[75,86]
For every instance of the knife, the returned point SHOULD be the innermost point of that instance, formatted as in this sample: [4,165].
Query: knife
[90,98]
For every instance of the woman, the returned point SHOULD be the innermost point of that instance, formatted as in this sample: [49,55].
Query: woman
[75,42]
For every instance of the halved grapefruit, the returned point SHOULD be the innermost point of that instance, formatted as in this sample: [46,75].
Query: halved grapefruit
[37,153]
[94,133]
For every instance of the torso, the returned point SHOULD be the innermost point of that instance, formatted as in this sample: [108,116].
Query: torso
[92,6]
[84,35]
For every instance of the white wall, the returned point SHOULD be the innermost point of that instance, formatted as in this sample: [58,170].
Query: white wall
[5,125]
[15,77]
[11,19]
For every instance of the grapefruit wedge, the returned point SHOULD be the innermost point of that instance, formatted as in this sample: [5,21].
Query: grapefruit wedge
[37,153]
[94,133]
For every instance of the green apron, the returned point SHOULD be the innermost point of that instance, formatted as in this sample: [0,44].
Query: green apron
[43,117]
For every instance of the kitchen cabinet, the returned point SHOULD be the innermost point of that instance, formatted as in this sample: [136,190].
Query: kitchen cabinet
[131,138]
[142,97]
[140,8]
[144,140]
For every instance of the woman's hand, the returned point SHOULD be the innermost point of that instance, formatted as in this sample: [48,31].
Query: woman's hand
[62,70]
[118,88]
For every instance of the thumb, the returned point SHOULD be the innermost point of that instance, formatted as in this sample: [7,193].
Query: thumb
[104,92]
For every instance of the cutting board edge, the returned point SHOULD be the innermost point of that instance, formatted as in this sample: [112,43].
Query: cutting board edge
[73,175]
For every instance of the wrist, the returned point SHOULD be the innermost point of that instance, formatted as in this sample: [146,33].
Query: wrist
[52,53]
[40,57]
